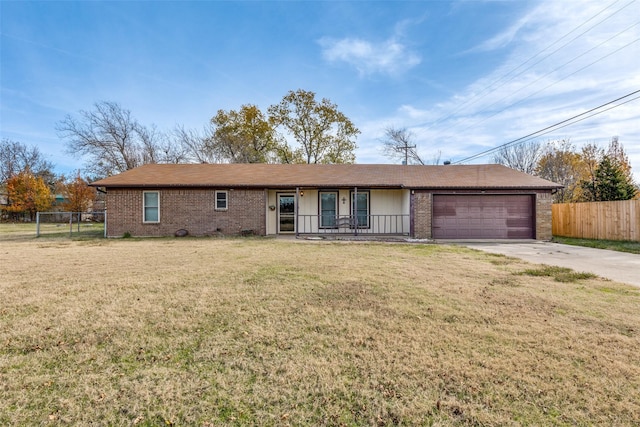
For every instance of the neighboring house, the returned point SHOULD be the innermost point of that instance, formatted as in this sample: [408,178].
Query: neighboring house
[4,202]
[423,202]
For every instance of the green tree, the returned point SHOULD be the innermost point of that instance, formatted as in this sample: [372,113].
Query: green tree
[608,173]
[243,136]
[28,193]
[324,133]
[611,182]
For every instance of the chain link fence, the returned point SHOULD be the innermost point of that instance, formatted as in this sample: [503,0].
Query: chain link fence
[72,224]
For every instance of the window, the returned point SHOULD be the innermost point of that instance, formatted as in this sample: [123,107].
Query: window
[151,206]
[360,208]
[222,198]
[328,209]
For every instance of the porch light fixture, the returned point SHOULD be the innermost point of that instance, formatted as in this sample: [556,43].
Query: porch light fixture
[301,193]
[344,200]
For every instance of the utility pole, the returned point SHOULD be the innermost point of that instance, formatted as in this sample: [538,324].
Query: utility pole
[399,141]
[406,147]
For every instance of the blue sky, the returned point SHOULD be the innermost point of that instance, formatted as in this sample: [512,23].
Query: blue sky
[462,76]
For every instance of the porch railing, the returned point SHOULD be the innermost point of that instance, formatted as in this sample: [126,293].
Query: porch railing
[353,224]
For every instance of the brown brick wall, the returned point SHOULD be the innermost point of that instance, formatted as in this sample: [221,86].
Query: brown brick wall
[190,209]
[421,201]
[543,216]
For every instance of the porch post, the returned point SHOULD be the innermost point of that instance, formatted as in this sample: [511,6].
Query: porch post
[355,209]
[295,224]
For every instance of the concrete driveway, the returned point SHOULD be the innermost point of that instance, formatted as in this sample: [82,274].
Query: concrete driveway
[618,266]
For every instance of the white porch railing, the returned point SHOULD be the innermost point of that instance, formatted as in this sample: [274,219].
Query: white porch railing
[354,224]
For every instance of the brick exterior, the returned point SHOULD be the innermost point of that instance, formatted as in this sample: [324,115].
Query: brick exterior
[421,215]
[193,210]
[543,216]
[189,209]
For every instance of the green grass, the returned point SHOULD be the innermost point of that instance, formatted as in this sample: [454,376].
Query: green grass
[559,274]
[614,245]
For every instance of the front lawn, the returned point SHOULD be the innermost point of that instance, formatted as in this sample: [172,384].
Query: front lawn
[268,332]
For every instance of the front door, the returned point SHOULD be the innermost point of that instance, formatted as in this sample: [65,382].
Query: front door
[286,213]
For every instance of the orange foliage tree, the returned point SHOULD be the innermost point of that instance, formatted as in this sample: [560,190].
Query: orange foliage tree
[78,195]
[28,193]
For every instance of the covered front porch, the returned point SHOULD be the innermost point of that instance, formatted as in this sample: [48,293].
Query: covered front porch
[343,211]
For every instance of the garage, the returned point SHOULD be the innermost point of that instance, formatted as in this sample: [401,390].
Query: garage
[483,216]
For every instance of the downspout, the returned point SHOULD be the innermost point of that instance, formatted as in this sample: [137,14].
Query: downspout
[104,231]
[412,229]
[266,211]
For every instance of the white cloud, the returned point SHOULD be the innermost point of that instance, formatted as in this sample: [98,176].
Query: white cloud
[503,38]
[552,87]
[387,57]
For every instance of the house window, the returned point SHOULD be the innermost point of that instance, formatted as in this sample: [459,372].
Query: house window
[151,206]
[328,209]
[222,198]
[360,208]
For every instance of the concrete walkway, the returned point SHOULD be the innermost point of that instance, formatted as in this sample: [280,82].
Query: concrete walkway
[618,266]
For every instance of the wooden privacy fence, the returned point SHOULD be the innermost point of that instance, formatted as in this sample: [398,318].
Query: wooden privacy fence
[619,220]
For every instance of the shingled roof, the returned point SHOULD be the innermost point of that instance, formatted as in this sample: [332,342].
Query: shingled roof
[325,176]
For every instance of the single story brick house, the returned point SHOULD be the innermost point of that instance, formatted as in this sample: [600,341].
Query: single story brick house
[423,202]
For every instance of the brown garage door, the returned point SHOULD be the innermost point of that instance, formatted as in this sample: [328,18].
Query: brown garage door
[489,216]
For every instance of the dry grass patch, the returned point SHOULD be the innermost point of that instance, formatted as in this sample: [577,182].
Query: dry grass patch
[258,331]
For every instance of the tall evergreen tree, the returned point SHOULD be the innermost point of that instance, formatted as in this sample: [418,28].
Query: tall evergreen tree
[612,182]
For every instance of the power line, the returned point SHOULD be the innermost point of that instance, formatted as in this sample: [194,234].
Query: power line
[557,81]
[477,97]
[556,126]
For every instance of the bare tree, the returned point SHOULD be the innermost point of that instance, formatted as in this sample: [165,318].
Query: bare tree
[198,146]
[110,139]
[398,145]
[158,147]
[523,157]
[16,157]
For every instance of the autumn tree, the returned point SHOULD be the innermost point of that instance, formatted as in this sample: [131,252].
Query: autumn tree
[324,134]
[78,195]
[28,193]
[591,155]
[243,136]
[523,157]
[561,164]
